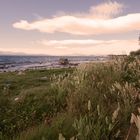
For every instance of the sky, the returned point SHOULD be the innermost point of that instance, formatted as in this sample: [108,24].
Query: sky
[69,27]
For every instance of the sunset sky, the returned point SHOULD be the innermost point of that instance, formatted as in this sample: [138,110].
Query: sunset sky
[69,27]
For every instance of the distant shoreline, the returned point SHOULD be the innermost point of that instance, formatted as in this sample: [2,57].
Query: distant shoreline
[21,63]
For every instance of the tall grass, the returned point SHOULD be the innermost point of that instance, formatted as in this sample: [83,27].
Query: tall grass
[95,102]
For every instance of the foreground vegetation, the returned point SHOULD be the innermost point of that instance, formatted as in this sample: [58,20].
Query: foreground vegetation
[92,102]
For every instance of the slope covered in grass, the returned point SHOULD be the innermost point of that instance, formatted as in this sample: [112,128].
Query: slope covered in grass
[93,102]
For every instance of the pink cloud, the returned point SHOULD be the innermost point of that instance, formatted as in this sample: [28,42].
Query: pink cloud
[98,20]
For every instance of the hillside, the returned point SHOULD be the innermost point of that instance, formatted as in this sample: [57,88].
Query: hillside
[91,102]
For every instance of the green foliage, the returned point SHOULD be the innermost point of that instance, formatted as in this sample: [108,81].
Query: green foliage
[41,132]
[93,102]
[135,53]
[131,71]
[27,100]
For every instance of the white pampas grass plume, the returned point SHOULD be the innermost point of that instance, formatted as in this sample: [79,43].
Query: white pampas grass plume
[98,110]
[61,137]
[136,119]
[139,110]
[115,113]
[89,105]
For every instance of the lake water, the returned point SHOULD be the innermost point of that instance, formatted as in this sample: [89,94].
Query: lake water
[13,63]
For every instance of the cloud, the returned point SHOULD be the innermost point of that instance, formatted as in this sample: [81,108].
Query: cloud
[72,42]
[99,20]
[104,18]
[103,11]
[106,10]
[89,47]
[82,26]
[74,47]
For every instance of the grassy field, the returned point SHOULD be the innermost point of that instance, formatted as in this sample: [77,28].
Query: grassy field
[91,102]
[26,99]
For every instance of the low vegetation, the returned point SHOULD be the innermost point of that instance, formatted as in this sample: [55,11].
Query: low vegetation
[95,101]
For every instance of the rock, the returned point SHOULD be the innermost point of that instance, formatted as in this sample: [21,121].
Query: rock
[63,61]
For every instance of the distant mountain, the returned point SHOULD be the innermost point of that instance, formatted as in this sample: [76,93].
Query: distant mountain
[11,53]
